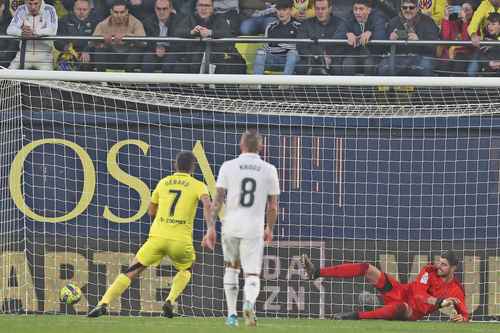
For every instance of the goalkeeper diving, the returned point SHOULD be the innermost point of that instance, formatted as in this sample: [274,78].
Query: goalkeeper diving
[434,288]
[173,207]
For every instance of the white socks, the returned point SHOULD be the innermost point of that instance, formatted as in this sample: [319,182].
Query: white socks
[251,289]
[231,289]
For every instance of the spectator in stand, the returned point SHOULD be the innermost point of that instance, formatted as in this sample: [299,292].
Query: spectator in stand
[410,25]
[259,14]
[114,51]
[303,9]
[163,56]
[318,59]
[34,18]
[8,48]
[81,22]
[364,24]
[230,10]
[435,8]
[487,59]
[276,54]
[454,27]
[224,58]
[479,19]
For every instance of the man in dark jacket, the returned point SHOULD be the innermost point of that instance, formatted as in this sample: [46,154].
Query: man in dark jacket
[81,22]
[410,25]
[318,59]
[278,55]
[163,56]
[365,24]
[8,48]
[224,58]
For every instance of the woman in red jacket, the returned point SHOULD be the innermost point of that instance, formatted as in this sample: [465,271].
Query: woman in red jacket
[454,27]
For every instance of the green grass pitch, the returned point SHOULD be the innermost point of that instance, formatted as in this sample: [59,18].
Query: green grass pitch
[81,324]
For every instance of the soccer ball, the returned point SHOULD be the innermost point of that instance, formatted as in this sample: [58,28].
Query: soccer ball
[70,294]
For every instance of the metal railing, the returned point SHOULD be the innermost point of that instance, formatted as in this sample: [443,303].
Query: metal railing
[392,44]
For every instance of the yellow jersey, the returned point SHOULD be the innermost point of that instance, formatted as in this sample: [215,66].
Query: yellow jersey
[177,198]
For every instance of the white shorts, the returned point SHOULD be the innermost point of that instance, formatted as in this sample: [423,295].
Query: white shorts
[247,251]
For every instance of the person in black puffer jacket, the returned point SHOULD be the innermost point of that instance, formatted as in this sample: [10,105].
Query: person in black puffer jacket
[81,22]
[319,59]
[410,25]
[224,58]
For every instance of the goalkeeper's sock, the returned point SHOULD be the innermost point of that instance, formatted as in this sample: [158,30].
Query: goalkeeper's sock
[179,283]
[395,311]
[344,270]
[251,289]
[231,289]
[121,283]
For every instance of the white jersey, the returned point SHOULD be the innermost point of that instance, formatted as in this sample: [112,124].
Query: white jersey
[248,181]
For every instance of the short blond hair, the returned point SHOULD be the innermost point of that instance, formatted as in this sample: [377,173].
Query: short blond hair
[252,140]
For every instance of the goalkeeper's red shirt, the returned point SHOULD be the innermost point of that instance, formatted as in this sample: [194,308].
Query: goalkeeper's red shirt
[428,283]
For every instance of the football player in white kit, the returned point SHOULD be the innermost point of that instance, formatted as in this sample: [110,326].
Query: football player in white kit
[250,187]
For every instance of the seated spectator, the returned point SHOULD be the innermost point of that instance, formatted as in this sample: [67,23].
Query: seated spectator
[454,27]
[256,15]
[75,55]
[224,58]
[114,52]
[230,10]
[8,48]
[162,56]
[277,55]
[479,19]
[410,25]
[318,59]
[487,59]
[34,18]
[435,8]
[303,9]
[364,24]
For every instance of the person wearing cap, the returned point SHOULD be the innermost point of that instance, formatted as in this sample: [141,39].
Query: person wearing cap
[410,25]
[279,55]
[434,288]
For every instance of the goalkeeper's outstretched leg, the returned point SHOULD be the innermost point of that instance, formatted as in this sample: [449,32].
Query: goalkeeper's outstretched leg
[381,281]
[434,288]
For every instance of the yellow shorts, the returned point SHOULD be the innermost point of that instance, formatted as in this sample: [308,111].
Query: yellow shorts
[154,249]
